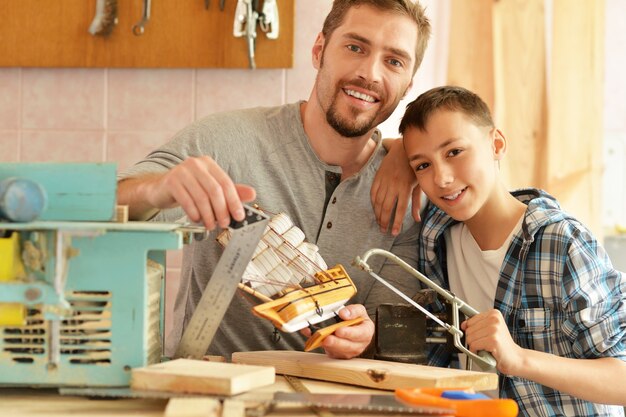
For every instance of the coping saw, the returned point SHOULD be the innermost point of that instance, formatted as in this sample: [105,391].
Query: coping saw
[216,297]
[483,357]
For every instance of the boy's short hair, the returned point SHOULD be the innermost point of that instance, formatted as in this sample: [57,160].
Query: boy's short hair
[448,97]
[411,8]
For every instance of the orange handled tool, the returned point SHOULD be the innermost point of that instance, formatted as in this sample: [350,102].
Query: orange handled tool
[465,402]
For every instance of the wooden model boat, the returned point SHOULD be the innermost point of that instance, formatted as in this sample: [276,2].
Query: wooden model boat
[294,284]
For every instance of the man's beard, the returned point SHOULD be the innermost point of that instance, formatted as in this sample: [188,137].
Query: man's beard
[349,127]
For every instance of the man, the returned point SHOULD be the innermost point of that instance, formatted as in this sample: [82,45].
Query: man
[314,160]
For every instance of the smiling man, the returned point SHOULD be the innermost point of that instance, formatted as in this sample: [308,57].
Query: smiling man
[314,160]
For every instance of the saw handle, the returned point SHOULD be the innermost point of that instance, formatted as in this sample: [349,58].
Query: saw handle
[318,337]
[464,402]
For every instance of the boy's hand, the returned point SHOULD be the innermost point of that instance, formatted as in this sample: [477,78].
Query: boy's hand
[394,183]
[488,331]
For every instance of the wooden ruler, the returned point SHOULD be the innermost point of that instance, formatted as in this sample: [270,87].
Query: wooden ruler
[298,386]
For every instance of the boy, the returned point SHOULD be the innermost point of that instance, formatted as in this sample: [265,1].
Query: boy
[553,309]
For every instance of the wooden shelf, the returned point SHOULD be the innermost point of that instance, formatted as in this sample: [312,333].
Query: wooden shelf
[179,34]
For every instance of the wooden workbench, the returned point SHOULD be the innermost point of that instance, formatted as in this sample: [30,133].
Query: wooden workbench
[48,403]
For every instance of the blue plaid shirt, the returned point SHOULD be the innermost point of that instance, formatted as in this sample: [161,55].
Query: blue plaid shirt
[558,293]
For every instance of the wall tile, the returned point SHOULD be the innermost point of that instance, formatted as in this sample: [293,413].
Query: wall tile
[127,148]
[222,90]
[174,258]
[9,145]
[150,99]
[62,146]
[63,98]
[309,21]
[10,98]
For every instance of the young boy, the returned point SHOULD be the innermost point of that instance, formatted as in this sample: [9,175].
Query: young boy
[553,309]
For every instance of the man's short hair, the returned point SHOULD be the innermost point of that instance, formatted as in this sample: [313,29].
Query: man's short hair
[410,8]
[448,97]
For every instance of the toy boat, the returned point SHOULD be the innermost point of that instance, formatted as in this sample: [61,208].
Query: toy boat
[294,284]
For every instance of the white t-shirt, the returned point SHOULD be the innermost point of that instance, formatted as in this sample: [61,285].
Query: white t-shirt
[473,273]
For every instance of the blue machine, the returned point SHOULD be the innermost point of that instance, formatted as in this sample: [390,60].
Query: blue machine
[81,296]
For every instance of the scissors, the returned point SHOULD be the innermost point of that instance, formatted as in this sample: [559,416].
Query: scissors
[464,402]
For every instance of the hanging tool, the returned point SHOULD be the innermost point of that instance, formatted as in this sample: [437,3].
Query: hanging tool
[268,20]
[105,18]
[139,28]
[246,18]
[483,357]
[221,288]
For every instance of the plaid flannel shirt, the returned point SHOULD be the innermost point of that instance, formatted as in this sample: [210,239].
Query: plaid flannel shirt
[558,293]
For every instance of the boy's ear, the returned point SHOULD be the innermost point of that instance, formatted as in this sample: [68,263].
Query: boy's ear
[318,50]
[499,144]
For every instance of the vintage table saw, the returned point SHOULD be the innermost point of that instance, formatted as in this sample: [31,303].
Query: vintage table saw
[81,296]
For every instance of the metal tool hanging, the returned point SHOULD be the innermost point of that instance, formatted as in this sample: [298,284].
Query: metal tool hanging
[105,18]
[139,28]
[483,357]
[247,18]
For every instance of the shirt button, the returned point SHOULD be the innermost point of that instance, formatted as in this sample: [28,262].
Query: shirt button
[329,225]
[521,323]
[334,200]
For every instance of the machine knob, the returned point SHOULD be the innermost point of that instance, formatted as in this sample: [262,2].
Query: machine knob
[21,199]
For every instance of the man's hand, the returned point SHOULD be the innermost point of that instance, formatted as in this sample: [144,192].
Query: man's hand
[200,186]
[348,342]
[394,182]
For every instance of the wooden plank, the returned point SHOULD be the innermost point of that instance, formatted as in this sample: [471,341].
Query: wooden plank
[233,408]
[366,372]
[470,57]
[520,100]
[575,134]
[193,407]
[179,34]
[194,376]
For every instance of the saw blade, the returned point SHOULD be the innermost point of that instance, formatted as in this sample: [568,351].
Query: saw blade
[221,288]
[370,403]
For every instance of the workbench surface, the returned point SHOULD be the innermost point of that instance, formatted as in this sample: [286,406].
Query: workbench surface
[48,403]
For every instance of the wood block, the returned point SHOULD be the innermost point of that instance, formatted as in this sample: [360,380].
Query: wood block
[233,408]
[367,372]
[121,214]
[214,358]
[194,376]
[193,407]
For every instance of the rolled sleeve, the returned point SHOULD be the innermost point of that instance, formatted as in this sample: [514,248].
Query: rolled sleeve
[595,294]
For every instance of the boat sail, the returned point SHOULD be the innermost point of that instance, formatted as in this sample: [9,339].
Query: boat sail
[296,287]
